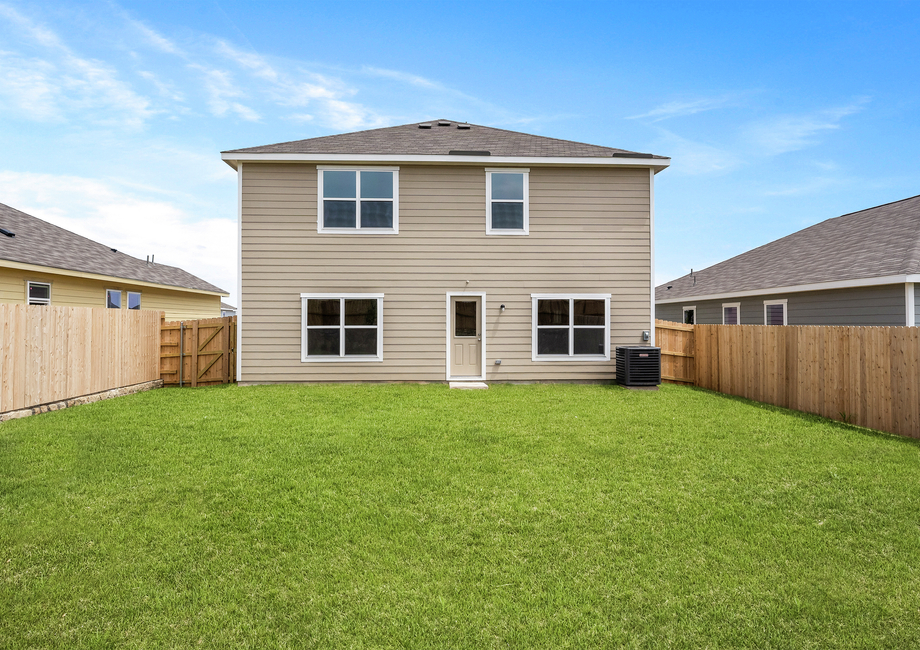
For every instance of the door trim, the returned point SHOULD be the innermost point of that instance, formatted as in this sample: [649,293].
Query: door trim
[482,326]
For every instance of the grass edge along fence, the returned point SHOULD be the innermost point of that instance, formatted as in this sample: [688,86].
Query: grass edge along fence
[868,376]
[49,354]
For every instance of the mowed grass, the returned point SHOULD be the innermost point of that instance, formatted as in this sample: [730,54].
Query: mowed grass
[414,516]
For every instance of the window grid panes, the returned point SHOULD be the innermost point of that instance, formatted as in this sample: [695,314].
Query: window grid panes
[39,293]
[342,328]
[571,327]
[358,199]
[507,202]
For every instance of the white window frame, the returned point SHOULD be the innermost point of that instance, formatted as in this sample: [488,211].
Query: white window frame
[38,301]
[683,314]
[736,305]
[128,300]
[526,200]
[304,297]
[571,356]
[784,302]
[357,230]
[121,303]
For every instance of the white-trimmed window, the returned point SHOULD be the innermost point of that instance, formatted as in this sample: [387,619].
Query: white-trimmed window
[342,327]
[38,293]
[731,313]
[507,201]
[571,326]
[689,317]
[774,312]
[358,200]
[134,300]
[113,298]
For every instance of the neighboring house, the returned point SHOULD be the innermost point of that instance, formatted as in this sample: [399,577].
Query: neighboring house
[227,310]
[42,264]
[442,250]
[859,269]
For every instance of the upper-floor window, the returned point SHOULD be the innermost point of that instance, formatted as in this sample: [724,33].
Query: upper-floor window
[358,200]
[731,313]
[774,312]
[113,298]
[507,201]
[134,300]
[39,293]
[573,325]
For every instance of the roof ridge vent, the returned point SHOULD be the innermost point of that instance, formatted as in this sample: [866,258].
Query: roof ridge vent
[443,122]
[8,233]
[463,125]
[424,125]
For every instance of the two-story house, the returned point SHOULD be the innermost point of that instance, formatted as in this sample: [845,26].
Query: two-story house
[442,251]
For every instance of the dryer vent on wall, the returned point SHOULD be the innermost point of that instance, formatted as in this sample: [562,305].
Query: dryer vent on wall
[638,365]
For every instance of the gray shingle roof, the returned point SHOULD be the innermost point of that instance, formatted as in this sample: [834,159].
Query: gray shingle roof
[39,242]
[873,243]
[409,139]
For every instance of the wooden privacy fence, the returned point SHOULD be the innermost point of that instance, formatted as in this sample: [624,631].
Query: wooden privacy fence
[198,352]
[49,354]
[677,353]
[869,376]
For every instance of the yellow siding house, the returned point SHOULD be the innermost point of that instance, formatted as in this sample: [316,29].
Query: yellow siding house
[42,264]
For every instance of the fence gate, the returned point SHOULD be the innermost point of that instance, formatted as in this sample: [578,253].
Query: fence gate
[678,352]
[198,352]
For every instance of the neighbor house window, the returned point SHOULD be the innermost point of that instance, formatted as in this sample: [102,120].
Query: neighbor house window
[39,293]
[339,327]
[358,200]
[571,326]
[690,315]
[731,313]
[134,300]
[507,201]
[774,312]
[113,299]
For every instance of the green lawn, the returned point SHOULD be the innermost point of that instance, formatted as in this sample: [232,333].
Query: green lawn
[415,516]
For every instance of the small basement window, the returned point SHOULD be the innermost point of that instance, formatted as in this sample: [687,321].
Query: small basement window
[507,201]
[342,327]
[358,200]
[38,293]
[113,298]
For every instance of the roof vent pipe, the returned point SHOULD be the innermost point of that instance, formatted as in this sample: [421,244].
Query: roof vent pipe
[8,233]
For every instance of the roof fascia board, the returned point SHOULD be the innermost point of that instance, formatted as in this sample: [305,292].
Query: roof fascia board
[655,163]
[50,270]
[821,286]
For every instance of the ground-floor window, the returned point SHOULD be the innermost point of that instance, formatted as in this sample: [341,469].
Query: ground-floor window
[689,317]
[39,293]
[774,312]
[573,325]
[342,327]
[731,313]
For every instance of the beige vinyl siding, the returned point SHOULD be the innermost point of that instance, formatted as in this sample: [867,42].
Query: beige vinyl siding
[68,291]
[589,233]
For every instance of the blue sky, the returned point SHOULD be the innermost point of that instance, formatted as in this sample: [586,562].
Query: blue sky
[776,115]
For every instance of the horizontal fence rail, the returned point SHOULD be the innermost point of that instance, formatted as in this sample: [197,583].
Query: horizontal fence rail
[49,354]
[868,376]
[198,352]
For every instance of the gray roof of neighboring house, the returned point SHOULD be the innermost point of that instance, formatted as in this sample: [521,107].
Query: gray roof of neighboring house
[873,243]
[224,305]
[41,243]
[410,139]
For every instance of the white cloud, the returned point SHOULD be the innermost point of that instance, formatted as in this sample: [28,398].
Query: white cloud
[154,38]
[787,133]
[691,157]
[682,108]
[132,223]
[60,82]
[221,87]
